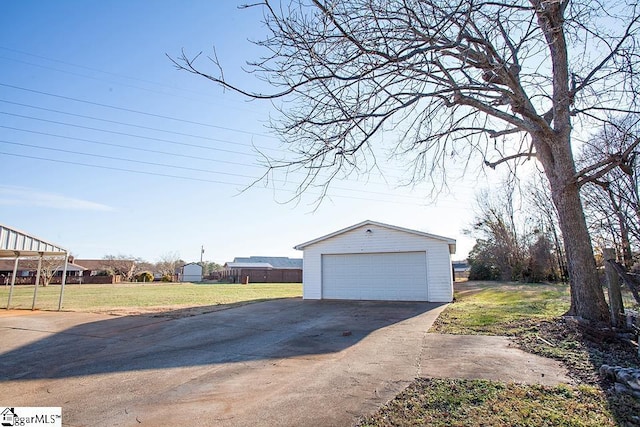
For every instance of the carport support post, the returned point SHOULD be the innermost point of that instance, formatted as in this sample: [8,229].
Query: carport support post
[64,279]
[13,279]
[35,289]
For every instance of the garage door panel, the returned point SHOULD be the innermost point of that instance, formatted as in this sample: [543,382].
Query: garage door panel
[375,276]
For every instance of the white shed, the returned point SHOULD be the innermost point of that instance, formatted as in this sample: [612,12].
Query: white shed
[375,261]
[191,272]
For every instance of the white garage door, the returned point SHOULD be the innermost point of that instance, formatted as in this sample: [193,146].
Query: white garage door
[400,276]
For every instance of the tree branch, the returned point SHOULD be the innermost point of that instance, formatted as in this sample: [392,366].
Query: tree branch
[605,166]
[493,165]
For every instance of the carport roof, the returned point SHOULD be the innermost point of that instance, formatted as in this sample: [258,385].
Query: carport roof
[449,241]
[18,243]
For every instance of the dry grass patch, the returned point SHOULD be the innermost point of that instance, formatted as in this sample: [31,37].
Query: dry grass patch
[446,402]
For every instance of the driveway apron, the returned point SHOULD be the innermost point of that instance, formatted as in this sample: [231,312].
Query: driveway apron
[278,363]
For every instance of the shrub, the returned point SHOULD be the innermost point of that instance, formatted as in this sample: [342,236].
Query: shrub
[482,271]
[145,276]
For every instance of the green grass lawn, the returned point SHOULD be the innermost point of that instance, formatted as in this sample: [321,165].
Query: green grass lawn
[530,313]
[138,297]
[501,309]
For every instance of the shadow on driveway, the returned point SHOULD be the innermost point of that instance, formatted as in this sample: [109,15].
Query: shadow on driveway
[61,345]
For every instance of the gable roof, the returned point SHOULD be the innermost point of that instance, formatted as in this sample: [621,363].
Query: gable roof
[92,264]
[449,241]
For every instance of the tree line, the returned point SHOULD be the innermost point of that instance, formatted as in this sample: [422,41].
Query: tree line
[132,268]
[129,267]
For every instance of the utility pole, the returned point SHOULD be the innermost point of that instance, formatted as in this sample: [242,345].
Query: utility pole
[201,253]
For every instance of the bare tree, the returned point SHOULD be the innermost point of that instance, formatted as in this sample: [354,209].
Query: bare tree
[49,266]
[502,244]
[515,227]
[168,263]
[543,213]
[612,201]
[122,265]
[507,80]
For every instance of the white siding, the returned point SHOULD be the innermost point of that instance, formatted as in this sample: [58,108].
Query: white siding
[191,273]
[381,239]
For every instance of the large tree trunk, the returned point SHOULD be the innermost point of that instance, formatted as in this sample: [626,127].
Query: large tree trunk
[587,296]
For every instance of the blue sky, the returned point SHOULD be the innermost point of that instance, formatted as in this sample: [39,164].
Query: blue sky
[106,148]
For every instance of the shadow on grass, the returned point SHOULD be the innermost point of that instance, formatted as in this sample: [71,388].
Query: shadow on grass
[61,345]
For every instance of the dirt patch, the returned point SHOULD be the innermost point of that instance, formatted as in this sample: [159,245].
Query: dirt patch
[581,352]
[487,357]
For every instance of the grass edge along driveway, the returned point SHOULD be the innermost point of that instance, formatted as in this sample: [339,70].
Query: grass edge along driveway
[530,313]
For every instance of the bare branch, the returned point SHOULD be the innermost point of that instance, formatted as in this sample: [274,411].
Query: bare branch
[606,165]
[493,165]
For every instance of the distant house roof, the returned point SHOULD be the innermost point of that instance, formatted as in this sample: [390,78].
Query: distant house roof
[104,264]
[263,265]
[460,265]
[275,262]
[91,264]
[7,265]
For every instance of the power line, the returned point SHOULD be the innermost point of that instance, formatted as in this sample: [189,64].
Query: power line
[81,75]
[193,178]
[133,147]
[226,141]
[148,114]
[128,147]
[68,162]
[81,66]
[138,126]
[204,147]
[127,124]
[147,150]
[129,110]
[97,70]
[120,159]
[186,168]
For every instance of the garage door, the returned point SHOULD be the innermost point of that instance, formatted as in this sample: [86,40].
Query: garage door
[400,276]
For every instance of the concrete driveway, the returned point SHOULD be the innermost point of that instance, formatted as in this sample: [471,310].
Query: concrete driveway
[277,363]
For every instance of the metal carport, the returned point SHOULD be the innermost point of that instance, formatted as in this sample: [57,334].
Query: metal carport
[19,245]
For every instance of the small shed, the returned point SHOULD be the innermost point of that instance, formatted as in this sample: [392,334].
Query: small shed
[191,272]
[376,261]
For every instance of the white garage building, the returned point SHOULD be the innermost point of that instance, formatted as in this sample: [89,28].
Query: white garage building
[375,261]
